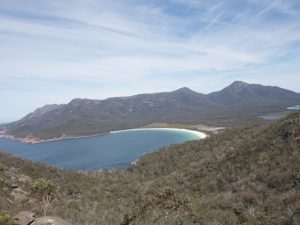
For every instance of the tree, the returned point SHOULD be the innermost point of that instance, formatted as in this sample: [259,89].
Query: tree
[45,192]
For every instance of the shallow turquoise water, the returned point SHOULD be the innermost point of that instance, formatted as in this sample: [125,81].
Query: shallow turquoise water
[115,150]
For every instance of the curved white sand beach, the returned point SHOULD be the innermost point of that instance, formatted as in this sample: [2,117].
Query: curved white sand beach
[199,134]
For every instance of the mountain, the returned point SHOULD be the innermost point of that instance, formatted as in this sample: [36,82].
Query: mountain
[234,104]
[41,111]
[241,93]
[242,176]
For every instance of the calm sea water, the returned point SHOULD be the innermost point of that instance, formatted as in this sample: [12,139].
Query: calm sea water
[272,117]
[295,107]
[115,150]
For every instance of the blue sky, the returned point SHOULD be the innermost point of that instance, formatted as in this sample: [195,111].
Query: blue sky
[53,51]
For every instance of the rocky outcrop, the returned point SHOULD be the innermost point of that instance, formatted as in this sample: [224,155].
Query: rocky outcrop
[15,183]
[24,218]
[28,218]
[50,221]
[19,195]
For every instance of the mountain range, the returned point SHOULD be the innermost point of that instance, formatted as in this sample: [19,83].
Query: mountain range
[237,102]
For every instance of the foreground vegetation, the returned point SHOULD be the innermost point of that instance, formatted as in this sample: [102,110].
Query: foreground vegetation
[248,176]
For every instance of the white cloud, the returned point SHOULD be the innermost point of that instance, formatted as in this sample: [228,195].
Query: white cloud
[122,43]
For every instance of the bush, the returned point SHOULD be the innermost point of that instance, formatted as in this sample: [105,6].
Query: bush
[5,218]
[45,192]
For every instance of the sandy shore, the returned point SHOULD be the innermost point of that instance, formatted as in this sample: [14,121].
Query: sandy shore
[199,134]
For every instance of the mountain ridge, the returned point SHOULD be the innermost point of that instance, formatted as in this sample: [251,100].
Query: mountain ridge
[233,104]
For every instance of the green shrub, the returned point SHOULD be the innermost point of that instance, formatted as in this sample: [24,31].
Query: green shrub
[45,192]
[5,218]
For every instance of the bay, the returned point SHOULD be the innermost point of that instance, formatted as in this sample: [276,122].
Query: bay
[116,150]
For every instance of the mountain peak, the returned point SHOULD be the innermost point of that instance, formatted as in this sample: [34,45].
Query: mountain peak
[76,100]
[44,109]
[239,83]
[238,86]
[184,90]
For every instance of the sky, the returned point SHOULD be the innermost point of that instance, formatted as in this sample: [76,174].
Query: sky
[54,51]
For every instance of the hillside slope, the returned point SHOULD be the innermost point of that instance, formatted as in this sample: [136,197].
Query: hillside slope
[235,104]
[248,175]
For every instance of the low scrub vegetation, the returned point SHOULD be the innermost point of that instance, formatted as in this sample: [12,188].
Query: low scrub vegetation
[5,218]
[248,176]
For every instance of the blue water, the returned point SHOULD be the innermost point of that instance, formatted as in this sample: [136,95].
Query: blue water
[295,107]
[272,117]
[115,150]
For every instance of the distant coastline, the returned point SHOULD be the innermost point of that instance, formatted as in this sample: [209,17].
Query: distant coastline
[33,140]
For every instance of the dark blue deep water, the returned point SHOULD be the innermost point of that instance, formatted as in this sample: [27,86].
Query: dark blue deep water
[116,150]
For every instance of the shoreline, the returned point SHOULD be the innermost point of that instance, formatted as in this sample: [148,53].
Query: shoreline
[199,134]
[32,140]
